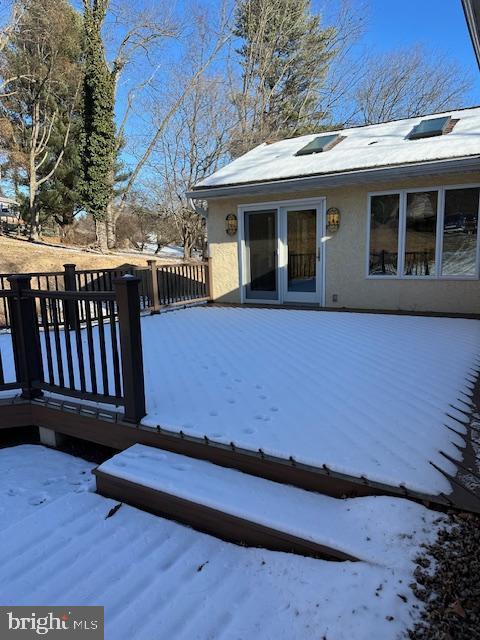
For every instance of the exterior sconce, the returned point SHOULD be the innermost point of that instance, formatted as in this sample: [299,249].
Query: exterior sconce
[231,224]
[333,219]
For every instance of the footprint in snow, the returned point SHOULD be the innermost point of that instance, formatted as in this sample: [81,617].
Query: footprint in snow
[119,463]
[231,401]
[249,430]
[274,409]
[181,467]
[262,397]
[213,413]
[38,499]
[14,491]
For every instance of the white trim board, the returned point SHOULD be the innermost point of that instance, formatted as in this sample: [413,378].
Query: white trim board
[320,204]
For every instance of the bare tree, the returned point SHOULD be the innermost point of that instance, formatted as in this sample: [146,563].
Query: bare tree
[185,88]
[407,83]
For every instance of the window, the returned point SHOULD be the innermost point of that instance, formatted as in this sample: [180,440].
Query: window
[384,218]
[319,144]
[429,128]
[420,234]
[460,232]
[424,234]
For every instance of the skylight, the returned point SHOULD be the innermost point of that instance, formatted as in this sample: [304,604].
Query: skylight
[319,144]
[429,128]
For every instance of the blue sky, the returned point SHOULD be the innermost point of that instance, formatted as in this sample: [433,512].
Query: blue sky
[438,24]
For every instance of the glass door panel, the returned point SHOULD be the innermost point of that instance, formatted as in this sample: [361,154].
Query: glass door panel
[302,251]
[261,253]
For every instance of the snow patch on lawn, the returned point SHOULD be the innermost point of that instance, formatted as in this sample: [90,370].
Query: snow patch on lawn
[33,476]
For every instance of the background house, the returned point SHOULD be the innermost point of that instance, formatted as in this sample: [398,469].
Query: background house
[375,217]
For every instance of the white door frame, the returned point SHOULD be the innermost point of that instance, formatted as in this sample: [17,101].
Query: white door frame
[281,206]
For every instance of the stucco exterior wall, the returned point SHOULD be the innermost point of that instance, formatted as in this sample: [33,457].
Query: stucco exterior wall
[345,255]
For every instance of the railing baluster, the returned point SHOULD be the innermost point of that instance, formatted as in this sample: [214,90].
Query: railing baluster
[68,345]
[58,343]
[2,377]
[91,349]
[46,336]
[103,352]
[78,341]
[116,363]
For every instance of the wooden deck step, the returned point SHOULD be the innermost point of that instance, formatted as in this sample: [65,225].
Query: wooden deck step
[229,504]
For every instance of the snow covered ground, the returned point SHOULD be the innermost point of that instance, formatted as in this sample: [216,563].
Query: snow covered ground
[363,394]
[158,579]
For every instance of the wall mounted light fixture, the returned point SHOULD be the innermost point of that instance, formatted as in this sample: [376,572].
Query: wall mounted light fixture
[231,224]
[333,219]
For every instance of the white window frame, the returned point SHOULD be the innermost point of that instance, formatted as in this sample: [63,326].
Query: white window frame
[402,193]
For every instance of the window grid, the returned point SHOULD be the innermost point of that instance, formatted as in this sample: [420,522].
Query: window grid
[402,193]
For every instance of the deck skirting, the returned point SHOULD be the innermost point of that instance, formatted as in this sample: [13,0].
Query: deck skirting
[106,428]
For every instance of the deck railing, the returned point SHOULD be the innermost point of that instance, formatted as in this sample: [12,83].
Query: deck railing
[83,344]
[159,286]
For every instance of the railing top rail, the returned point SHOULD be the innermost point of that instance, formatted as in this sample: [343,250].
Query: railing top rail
[92,296]
[33,274]
[122,267]
[174,265]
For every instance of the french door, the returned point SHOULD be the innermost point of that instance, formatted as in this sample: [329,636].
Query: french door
[283,256]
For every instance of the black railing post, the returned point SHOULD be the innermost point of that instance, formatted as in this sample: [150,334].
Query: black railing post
[128,302]
[27,351]
[155,298]
[209,279]
[70,282]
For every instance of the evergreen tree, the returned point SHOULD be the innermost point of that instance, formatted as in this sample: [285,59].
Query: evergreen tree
[284,57]
[60,198]
[41,70]
[99,144]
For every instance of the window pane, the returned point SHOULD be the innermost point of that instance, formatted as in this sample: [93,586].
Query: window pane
[420,234]
[261,245]
[460,232]
[384,234]
[302,250]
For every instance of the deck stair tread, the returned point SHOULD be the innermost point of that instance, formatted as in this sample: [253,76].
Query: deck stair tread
[208,497]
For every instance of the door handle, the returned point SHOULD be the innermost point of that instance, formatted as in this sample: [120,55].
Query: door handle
[318,253]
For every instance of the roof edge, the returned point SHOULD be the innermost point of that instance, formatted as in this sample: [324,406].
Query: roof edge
[471,9]
[466,163]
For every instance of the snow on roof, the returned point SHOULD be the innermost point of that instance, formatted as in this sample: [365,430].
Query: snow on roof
[365,147]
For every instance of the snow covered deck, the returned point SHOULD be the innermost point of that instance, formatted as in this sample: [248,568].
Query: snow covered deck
[60,544]
[379,396]
[373,398]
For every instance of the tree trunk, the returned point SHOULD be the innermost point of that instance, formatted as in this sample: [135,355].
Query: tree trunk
[33,213]
[187,249]
[101,235]
[111,226]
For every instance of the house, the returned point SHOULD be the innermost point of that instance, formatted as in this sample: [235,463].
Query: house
[381,217]
[9,214]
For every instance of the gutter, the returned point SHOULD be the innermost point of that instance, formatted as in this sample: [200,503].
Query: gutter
[471,9]
[362,176]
